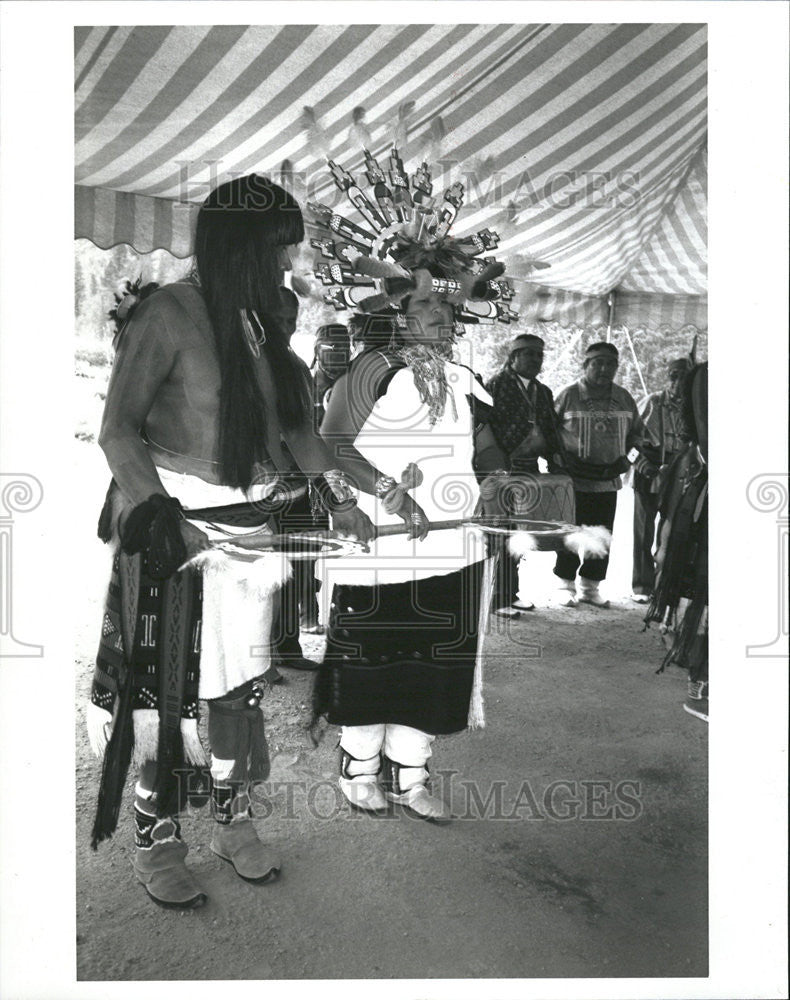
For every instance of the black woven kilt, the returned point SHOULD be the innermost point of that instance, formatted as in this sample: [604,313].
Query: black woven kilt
[402,653]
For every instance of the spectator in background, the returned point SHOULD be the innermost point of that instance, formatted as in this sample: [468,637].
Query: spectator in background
[679,601]
[525,428]
[600,425]
[330,360]
[661,416]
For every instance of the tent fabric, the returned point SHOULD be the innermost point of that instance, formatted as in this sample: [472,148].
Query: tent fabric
[555,305]
[581,145]
[675,259]
[108,218]
[637,310]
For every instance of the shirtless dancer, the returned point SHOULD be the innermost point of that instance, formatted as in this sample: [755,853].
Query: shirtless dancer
[203,392]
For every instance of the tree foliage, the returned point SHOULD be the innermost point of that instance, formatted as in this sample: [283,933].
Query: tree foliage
[99,273]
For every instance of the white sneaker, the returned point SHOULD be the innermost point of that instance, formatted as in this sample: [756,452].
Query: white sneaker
[420,801]
[640,598]
[363,792]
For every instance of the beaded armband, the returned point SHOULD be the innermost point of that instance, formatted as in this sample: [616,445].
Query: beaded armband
[334,491]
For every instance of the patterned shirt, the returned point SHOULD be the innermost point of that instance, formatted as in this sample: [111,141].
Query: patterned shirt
[598,431]
[520,404]
[660,415]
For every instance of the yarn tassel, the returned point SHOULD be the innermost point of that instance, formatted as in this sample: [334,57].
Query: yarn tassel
[251,760]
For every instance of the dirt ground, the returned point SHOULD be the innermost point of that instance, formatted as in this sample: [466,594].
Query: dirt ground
[580,847]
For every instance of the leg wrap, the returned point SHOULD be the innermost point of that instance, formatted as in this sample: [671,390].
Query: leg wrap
[362,742]
[353,767]
[229,803]
[150,829]
[236,733]
[398,778]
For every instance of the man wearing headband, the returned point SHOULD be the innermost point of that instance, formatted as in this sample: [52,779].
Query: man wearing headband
[330,361]
[661,416]
[525,427]
[600,425]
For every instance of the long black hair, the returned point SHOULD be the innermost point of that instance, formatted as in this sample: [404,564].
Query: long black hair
[240,227]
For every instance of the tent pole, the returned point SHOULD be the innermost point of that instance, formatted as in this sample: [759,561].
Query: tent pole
[610,321]
[636,360]
[568,347]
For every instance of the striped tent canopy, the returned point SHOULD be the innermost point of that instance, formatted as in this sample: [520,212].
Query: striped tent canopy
[581,145]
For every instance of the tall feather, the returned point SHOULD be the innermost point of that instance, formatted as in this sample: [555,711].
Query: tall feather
[359,134]
[482,167]
[317,138]
[436,134]
[400,132]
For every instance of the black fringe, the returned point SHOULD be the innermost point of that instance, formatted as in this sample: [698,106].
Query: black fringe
[105,526]
[169,791]
[154,527]
[115,767]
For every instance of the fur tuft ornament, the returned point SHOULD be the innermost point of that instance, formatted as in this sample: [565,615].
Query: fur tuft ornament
[98,722]
[585,540]
[590,541]
[262,577]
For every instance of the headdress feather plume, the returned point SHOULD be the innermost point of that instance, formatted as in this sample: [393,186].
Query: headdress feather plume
[400,240]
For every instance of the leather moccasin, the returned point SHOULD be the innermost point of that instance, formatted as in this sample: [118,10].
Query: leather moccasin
[364,792]
[238,844]
[166,878]
[419,801]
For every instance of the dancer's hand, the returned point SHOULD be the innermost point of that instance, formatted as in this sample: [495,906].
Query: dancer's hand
[493,491]
[355,523]
[414,517]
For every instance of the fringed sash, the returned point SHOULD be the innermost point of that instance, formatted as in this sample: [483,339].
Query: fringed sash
[148,670]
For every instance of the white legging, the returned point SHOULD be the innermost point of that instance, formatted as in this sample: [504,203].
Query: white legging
[411,748]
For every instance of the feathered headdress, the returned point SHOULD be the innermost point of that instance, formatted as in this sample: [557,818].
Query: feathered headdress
[402,245]
[131,294]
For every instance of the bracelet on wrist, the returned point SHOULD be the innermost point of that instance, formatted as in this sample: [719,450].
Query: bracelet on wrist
[334,492]
[384,485]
